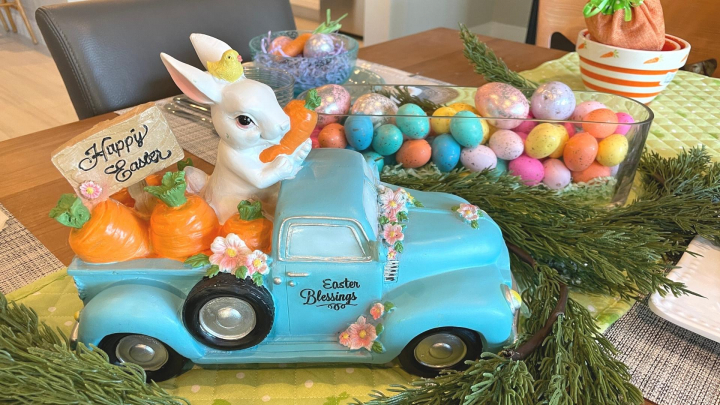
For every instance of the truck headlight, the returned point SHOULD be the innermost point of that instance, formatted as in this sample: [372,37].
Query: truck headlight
[512,297]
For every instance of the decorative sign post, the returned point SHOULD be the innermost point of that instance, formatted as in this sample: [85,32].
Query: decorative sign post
[118,153]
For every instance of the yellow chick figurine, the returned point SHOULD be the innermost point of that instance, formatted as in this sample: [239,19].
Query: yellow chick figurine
[228,67]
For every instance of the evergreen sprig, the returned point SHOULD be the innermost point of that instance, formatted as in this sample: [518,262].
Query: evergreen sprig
[401,96]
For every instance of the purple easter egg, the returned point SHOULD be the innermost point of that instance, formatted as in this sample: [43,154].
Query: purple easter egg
[318,46]
[585,108]
[557,176]
[478,158]
[530,170]
[553,101]
[500,100]
[624,118]
[526,126]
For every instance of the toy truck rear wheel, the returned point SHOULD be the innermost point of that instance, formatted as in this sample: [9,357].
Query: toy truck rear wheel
[227,313]
[159,360]
[440,349]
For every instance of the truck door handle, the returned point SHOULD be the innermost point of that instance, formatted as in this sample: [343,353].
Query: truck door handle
[289,274]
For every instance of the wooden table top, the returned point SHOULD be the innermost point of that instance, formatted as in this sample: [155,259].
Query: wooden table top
[30,185]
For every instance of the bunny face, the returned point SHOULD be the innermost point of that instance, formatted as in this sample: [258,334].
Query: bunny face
[249,115]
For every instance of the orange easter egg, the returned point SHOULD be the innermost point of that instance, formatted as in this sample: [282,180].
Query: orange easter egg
[414,153]
[332,136]
[594,171]
[580,152]
[604,124]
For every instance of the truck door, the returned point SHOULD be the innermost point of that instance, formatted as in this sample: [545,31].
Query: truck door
[332,274]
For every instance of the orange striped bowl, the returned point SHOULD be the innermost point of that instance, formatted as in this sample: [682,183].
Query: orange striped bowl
[640,75]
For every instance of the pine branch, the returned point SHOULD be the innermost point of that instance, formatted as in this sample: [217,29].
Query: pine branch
[401,95]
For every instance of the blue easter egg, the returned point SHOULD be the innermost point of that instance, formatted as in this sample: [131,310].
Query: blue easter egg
[359,131]
[390,160]
[374,158]
[501,167]
[468,132]
[445,152]
[387,140]
[412,127]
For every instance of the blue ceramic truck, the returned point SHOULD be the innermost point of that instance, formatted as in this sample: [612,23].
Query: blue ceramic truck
[450,290]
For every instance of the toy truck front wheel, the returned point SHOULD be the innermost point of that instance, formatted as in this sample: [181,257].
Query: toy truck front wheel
[159,360]
[440,349]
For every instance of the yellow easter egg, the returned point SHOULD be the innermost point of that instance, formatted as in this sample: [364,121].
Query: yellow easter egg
[442,125]
[543,140]
[612,150]
[464,107]
[558,152]
[487,130]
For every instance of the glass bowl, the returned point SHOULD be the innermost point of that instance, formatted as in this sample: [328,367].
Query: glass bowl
[279,80]
[308,72]
[610,190]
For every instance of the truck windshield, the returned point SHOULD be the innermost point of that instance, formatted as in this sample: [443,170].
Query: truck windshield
[371,206]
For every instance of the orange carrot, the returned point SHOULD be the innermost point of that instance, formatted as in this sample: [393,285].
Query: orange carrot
[180,225]
[112,233]
[295,47]
[653,60]
[251,226]
[609,54]
[302,123]
[583,45]
[124,198]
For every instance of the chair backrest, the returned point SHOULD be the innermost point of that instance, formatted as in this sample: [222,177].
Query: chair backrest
[692,20]
[108,51]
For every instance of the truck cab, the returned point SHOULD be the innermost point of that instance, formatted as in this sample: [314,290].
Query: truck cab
[445,299]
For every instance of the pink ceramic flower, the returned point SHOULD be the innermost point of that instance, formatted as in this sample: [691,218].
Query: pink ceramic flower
[345,338]
[229,253]
[256,262]
[393,233]
[469,212]
[392,253]
[90,190]
[377,311]
[362,334]
[393,202]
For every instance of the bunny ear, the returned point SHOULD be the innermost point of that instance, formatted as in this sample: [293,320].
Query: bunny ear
[208,48]
[196,84]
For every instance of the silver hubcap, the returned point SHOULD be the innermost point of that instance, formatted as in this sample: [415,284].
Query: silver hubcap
[146,352]
[227,318]
[441,350]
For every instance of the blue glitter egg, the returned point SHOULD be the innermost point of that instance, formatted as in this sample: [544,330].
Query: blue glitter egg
[415,127]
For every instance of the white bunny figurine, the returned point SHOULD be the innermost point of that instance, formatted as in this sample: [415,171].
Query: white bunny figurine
[248,119]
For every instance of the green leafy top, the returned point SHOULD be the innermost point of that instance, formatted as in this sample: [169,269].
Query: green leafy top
[250,210]
[609,7]
[312,100]
[329,25]
[70,211]
[172,189]
[182,164]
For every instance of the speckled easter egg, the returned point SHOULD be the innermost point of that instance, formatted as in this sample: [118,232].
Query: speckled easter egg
[500,100]
[623,120]
[319,46]
[359,131]
[374,158]
[414,153]
[570,128]
[612,150]
[442,125]
[445,152]
[478,158]
[332,136]
[375,104]
[526,126]
[334,99]
[467,129]
[464,107]
[585,108]
[417,125]
[314,138]
[280,41]
[544,139]
[387,140]
[501,166]
[602,123]
[557,176]
[522,135]
[530,170]
[580,151]
[558,152]
[553,101]
[593,171]
[506,144]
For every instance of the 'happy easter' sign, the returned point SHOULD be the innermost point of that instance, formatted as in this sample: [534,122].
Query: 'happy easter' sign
[119,152]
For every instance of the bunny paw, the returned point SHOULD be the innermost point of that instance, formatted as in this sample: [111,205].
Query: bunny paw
[302,151]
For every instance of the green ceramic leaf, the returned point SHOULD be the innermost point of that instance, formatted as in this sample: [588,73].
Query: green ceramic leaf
[198,260]
[70,211]
[378,347]
[389,306]
[258,279]
[379,328]
[241,272]
[182,164]
[213,271]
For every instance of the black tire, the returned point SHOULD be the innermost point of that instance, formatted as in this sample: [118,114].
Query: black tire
[227,285]
[172,367]
[411,364]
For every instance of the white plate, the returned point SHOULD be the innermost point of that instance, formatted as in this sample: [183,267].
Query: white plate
[701,274]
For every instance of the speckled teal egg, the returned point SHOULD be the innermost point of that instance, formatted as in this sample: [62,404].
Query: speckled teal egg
[467,129]
[359,131]
[445,152]
[374,158]
[387,139]
[417,125]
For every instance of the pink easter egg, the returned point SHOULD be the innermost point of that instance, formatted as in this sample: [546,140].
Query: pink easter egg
[570,129]
[585,108]
[500,100]
[314,138]
[279,42]
[522,135]
[624,118]
[526,126]
[478,158]
[530,170]
[506,144]
[557,176]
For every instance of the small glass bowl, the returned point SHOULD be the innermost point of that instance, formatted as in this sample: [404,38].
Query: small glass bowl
[308,72]
[279,80]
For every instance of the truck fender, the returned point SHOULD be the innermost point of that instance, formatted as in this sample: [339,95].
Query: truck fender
[431,303]
[139,309]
